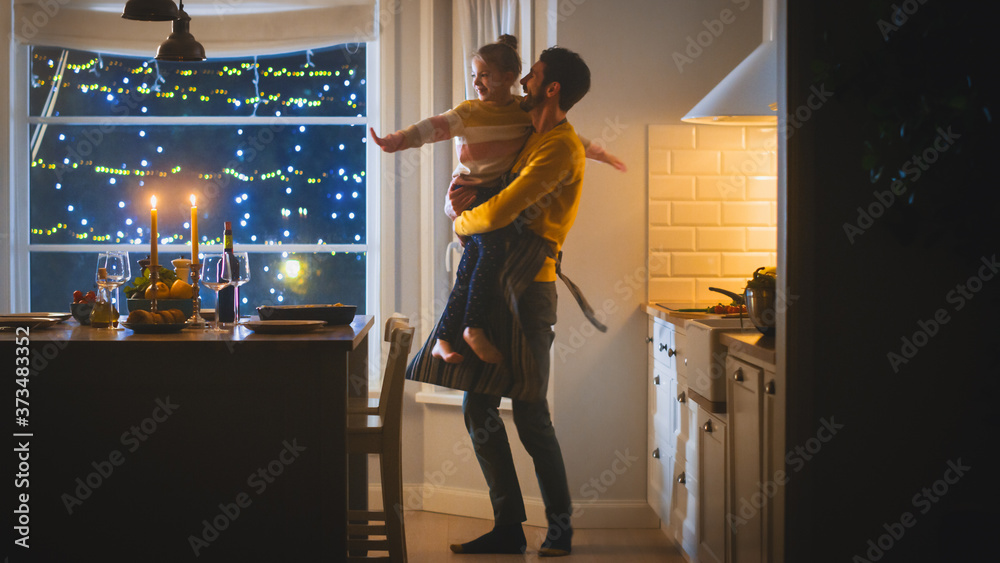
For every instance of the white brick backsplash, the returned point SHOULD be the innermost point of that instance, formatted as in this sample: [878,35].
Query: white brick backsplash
[671,136]
[671,290]
[671,187]
[762,238]
[695,264]
[762,138]
[736,264]
[749,213]
[664,239]
[748,163]
[659,213]
[762,188]
[733,239]
[719,138]
[659,161]
[695,213]
[721,188]
[712,209]
[659,264]
[694,162]
[702,293]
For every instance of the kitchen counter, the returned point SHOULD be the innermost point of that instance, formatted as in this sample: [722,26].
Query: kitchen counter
[660,311]
[750,343]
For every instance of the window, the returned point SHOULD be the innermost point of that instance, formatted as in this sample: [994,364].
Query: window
[275,144]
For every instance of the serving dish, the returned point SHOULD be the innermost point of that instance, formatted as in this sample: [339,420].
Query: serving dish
[282,327]
[185,305]
[146,328]
[333,314]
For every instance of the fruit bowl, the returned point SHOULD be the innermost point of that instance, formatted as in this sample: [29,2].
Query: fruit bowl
[185,305]
[81,311]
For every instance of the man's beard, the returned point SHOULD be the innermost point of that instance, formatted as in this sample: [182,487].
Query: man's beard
[528,103]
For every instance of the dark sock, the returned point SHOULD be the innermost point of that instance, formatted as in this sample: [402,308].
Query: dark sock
[558,541]
[501,539]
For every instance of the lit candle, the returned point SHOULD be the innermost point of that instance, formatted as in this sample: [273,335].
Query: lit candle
[194,232]
[153,233]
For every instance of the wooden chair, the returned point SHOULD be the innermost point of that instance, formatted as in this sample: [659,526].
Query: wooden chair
[375,429]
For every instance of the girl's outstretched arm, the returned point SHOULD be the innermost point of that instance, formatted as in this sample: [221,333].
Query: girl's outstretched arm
[390,143]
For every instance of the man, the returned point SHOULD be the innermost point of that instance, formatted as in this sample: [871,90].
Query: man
[541,204]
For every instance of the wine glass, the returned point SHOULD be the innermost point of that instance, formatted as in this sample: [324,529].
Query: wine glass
[241,275]
[216,274]
[113,270]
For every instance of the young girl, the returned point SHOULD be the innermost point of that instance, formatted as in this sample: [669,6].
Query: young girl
[489,133]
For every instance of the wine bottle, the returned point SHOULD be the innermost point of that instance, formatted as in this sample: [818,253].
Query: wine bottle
[228,296]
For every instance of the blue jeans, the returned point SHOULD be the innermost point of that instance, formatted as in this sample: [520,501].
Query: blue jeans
[537,308]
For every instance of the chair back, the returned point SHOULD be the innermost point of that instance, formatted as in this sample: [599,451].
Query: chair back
[399,335]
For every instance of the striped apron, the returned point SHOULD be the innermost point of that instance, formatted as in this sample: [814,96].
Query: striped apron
[517,376]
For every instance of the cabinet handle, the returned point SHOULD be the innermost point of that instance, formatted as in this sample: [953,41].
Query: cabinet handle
[707,427]
[681,398]
[649,339]
[738,375]
[769,388]
[663,347]
[656,380]
[682,478]
[671,352]
[656,453]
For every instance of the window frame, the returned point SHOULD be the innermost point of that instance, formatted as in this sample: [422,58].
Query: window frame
[20,247]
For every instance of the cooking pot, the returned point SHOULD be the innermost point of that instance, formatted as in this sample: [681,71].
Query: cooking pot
[760,297]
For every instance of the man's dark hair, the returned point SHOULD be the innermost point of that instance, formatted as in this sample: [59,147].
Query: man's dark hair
[569,70]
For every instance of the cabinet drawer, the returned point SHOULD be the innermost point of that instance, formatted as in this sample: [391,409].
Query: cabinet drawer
[659,487]
[680,349]
[663,343]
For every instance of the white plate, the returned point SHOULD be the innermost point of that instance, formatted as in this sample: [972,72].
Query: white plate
[278,327]
[58,317]
[11,321]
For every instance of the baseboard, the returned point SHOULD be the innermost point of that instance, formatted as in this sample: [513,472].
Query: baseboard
[476,504]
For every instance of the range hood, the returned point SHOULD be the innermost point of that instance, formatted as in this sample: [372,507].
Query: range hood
[748,95]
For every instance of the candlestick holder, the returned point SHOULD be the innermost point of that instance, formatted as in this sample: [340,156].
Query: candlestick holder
[154,278]
[196,320]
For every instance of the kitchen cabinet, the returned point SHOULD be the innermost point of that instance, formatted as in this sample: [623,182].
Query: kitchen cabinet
[670,484]
[662,417]
[745,404]
[756,445]
[712,532]
[716,476]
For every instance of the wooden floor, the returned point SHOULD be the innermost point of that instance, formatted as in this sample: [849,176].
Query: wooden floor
[428,536]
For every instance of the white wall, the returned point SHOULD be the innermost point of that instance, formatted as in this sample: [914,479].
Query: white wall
[599,398]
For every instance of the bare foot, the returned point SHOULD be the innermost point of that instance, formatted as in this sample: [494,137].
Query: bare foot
[481,345]
[443,350]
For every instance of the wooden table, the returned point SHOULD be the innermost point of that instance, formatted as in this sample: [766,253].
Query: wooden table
[188,446]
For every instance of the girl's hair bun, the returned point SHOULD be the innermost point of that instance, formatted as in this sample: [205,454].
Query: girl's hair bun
[508,40]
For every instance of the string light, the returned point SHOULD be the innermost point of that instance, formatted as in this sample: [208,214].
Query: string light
[269,85]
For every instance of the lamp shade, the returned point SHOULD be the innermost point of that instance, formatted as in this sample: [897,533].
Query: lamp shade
[746,96]
[150,10]
[181,45]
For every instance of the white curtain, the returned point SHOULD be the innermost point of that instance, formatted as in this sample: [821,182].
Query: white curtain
[225,27]
[479,22]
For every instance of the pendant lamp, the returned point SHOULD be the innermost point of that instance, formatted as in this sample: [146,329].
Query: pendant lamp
[150,10]
[181,45]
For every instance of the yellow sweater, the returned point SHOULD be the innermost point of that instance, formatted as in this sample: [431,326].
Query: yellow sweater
[549,180]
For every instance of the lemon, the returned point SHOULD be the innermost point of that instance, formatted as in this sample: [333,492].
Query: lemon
[180,290]
[162,291]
